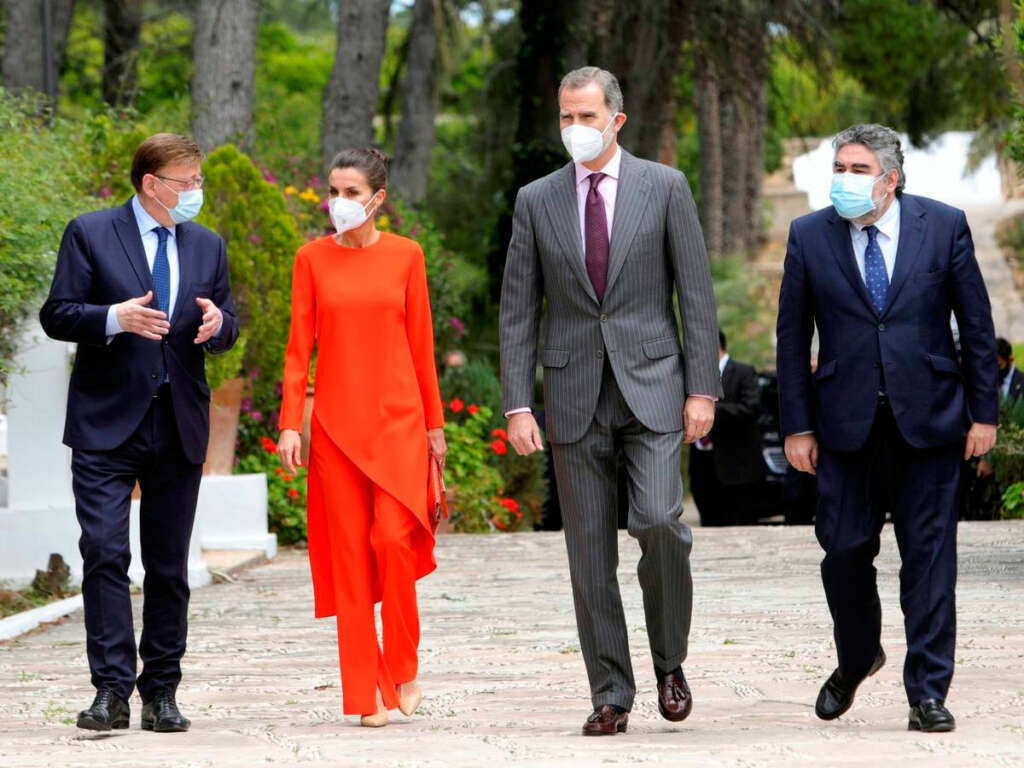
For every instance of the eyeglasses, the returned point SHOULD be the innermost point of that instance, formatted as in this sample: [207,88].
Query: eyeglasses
[193,183]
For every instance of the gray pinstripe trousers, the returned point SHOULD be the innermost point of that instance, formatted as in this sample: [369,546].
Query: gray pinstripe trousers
[585,471]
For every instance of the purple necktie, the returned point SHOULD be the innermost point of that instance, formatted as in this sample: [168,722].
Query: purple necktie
[595,224]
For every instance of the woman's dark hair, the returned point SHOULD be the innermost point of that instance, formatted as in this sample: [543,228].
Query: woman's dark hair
[369,161]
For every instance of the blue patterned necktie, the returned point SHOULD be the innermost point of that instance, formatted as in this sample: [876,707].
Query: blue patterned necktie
[162,284]
[875,274]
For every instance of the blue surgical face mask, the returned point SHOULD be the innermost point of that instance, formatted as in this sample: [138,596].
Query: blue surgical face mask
[190,202]
[852,194]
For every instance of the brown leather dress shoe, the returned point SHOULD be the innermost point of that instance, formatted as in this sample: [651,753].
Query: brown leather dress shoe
[606,721]
[674,699]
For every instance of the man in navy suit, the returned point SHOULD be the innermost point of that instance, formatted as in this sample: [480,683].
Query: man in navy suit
[890,413]
[143,292]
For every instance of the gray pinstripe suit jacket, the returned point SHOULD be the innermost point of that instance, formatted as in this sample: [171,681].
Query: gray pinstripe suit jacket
[656,244]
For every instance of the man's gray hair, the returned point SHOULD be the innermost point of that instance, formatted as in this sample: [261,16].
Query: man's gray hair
[587,75]
[883,141]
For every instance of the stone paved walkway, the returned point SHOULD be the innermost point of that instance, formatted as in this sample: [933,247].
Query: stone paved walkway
[504,678]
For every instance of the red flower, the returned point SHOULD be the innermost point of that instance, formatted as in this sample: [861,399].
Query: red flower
[456,405]
[292,493]
[499,447]
[510,504]
[499,525]
[268,445]
[279,471]
[500,433]
[473,409]
[287,478]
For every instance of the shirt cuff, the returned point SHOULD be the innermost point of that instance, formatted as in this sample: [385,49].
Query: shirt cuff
[799,434]
[514,411]
[712,398]
[216,334]
[113,326]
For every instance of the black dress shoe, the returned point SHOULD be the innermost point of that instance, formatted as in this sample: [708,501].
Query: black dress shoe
[606,720]
[108,711]
[930,716]
[836,694]
[674,699]
[161,714]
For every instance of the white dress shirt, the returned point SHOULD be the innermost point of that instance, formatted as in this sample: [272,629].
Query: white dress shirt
[888,239]
[1008,381]
[150,241]
[608,188]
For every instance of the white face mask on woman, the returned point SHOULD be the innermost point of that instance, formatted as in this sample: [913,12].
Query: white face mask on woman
[349,214]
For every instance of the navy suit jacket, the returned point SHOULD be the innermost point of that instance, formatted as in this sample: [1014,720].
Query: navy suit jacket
[102,262]
[934,396]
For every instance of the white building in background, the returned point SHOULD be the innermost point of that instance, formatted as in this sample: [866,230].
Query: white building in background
[938,171]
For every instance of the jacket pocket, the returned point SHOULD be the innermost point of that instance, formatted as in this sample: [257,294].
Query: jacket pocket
[826,370]
[944,364]
[666,346]
[554,358]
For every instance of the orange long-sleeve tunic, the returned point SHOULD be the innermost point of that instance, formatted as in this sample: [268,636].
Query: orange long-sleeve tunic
[376,392]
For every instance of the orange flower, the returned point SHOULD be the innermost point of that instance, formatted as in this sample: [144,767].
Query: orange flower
[473,409]
[499,447]
[292,493]
[500,433]
[456,405]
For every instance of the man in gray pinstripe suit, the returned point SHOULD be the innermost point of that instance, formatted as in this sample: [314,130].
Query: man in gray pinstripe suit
[604,241]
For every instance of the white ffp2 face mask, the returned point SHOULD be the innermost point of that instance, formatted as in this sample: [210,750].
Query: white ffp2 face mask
[348,214]
[584,143]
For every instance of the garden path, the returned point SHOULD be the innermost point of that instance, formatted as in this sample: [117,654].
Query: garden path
[504,679]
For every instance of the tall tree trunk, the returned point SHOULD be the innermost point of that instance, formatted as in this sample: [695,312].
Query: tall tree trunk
[734,115]
[24,64]
[554,42]
[757,113]
[709,131]
[122,27]
[419,107]
[222,84]
[350,99]
[643,52]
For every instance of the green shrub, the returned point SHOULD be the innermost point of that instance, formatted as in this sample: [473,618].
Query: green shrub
[474,382]
[47,178]
[286,494]
[251,215]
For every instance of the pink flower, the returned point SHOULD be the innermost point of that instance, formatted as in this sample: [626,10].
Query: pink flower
[257,415]
[106,192]
[269,177]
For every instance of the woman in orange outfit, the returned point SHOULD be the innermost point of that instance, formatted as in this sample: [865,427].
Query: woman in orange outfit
[361,296]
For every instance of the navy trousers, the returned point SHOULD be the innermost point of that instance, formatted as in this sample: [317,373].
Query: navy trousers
[920,487]
[103,482]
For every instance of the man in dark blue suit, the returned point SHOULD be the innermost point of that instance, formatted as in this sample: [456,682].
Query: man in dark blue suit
[890,414]
[143,292]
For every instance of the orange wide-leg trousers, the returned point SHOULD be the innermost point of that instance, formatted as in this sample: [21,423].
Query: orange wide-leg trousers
[360,541]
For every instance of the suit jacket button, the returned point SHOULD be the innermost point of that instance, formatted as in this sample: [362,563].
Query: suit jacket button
[600,353]
[604,318]
[153,375]
[881,326]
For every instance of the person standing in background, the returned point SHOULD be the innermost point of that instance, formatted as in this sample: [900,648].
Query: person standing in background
[726,466]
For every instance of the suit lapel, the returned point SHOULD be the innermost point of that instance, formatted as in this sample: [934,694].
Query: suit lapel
[127,230]
[563,208]
[631,200]
[908,249]
[184,242]
[727,374]
[842,248]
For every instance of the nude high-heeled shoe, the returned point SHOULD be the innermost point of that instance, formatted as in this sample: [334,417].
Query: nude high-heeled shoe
[409,697]
[378,718]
